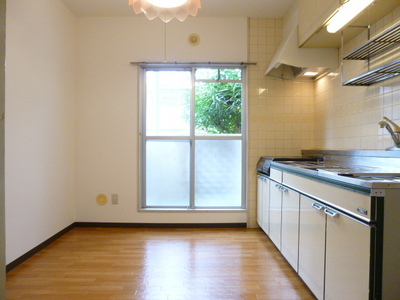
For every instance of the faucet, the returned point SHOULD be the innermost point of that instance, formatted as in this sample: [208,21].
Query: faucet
[395,132]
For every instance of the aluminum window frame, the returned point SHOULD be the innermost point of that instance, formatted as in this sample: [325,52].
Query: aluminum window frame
[192,136]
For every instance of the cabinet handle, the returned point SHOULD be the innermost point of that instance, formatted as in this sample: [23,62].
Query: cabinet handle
[317,206]
[283,189]
[331,212]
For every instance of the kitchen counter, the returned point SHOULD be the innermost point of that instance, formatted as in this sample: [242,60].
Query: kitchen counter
[360,170]
[347,176]
[334,217]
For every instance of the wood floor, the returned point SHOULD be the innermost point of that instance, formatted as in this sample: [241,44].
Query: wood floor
[157,264]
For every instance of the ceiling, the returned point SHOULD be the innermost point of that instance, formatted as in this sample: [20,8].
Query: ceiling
[210,8]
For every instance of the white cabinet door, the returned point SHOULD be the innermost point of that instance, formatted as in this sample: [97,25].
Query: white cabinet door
[265,209]
[290,226]
[275,213]
[312,245]
[263,203]
[260,184]
[348,244]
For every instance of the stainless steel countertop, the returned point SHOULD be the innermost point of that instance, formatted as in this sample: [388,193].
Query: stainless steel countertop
[373,177]
[358,169]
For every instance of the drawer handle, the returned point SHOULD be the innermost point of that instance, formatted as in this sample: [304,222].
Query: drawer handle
[283,189]
[317,206]
[331,212]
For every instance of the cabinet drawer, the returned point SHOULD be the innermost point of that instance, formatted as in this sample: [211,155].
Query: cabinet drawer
[276,175]
[352,202]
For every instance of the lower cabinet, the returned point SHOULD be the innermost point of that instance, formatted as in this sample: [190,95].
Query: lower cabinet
[275,213]
[334,252]
[312,245]
[347,254]
[260,200]
[265,210]
[263,184]
[290,226]
[329,250]
[284,204]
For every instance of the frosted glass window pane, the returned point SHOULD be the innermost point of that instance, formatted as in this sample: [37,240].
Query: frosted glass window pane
[218,173]
[167,173]
[168,103]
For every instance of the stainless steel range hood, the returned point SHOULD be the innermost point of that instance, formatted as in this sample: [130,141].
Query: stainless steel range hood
[290,61]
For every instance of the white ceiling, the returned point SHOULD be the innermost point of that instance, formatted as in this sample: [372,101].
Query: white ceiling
[210,8]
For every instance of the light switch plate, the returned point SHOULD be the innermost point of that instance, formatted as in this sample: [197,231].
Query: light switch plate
[114,198]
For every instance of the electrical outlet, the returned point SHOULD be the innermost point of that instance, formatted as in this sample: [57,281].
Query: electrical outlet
[114,198]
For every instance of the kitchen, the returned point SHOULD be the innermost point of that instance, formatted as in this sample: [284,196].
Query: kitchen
[284,116]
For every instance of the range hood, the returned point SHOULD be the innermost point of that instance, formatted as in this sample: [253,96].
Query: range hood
[290,61]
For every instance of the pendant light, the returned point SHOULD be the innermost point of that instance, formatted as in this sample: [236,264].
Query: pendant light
[166,10]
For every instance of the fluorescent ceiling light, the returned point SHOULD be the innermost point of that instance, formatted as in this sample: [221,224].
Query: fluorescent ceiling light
[310,73]
[346,13]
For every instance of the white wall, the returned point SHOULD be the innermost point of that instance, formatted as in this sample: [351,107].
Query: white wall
[2,104]
[107,113]
[39,137]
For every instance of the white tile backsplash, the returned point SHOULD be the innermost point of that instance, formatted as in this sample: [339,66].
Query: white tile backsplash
[352,123]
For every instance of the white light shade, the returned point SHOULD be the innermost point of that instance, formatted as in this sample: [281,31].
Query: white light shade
[167,4]
[346,13]
[179,9]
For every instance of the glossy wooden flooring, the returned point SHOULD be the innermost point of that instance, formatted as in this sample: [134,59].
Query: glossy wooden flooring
[157,264]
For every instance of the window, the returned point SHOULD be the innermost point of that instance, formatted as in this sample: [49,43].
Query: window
[193,138]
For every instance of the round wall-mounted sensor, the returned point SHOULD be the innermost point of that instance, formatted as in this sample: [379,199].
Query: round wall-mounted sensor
[101,199]
[194,39]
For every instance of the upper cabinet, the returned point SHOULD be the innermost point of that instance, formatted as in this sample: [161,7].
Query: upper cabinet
[313,15]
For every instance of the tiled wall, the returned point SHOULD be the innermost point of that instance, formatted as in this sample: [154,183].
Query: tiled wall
[346,116]
[281,113]
[287,116]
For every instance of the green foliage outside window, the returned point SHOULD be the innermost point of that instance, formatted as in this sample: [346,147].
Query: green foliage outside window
[219,104]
